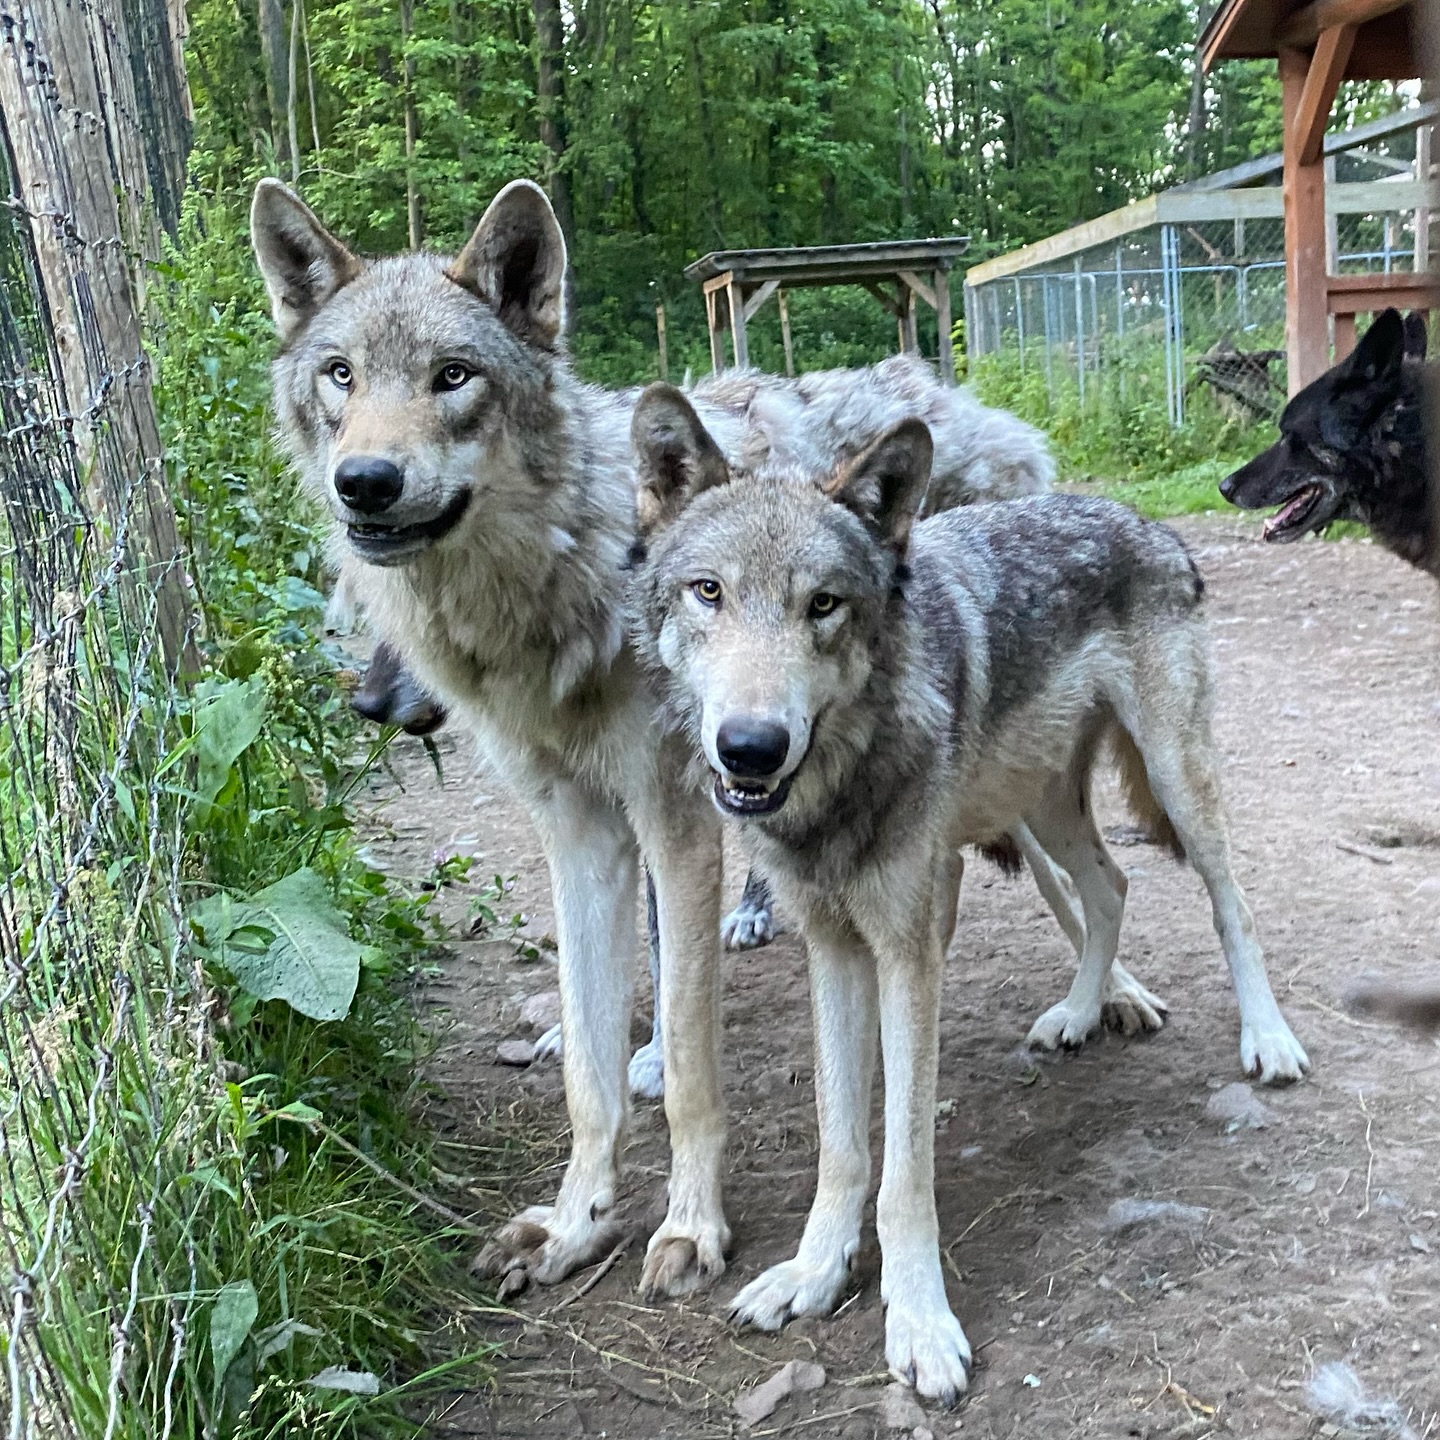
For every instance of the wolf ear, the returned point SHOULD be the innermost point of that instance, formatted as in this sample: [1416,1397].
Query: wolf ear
[302,263]
[1366,382]
[675,457]
[886,484]
[1416,339]
[515,262]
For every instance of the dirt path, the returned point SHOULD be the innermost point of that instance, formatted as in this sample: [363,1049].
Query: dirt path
[1314,1238]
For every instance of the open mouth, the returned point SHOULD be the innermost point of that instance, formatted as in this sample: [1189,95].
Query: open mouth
[1295,516]
[734,796]
[382,544]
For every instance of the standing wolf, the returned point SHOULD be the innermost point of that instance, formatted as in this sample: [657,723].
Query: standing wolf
[484,507]
[866,702]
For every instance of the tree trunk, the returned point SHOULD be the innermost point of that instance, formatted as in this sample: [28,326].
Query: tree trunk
[292,130]
[550,91]
[1195,126]
[273,51]
[407,70]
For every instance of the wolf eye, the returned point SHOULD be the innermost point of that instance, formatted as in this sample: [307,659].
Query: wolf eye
[340,374]
[823,604]
[453,376]
[707,592]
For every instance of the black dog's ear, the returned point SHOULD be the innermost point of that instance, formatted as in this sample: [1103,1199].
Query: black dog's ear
[675,457]
[1417,340]
[515,262]
[1365,383]
[886,484]
[302,263]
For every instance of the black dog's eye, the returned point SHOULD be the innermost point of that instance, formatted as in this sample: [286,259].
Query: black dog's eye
[454,376]
[341,376]
[823,604]
[707,592]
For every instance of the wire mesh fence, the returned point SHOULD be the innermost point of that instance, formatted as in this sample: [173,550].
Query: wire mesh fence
[1186,292]
[107,1090]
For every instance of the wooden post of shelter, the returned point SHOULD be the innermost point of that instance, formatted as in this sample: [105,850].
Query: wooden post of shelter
[1317,45]
[737,283]
[660,336]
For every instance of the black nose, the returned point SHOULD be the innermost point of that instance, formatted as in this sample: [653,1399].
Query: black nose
[1227,488]
[752,748]
[368,483]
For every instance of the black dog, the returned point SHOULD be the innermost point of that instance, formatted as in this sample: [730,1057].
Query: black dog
[1353,447]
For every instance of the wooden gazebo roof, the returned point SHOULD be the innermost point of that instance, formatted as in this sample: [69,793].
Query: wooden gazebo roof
[1384,48]
[746,279]
[1319,44]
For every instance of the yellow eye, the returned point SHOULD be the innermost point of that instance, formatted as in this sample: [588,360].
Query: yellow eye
[823,604]
[340,374]
[707,592]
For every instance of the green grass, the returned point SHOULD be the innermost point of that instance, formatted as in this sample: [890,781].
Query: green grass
[1191,490]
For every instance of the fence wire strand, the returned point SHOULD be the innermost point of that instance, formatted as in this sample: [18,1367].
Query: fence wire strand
[106,1081]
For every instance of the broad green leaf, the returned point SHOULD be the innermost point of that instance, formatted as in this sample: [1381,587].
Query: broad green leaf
[310,962]
[298,1111]
[227,723]
[231,1317]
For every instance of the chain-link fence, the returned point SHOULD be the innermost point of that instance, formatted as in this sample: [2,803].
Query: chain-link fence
[107,1088]
[1181,291]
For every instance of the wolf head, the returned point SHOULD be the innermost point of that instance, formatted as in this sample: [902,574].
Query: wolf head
[762,596]
[1319,469]
[402,383]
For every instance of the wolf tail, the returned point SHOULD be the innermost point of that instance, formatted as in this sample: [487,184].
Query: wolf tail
[1135,781]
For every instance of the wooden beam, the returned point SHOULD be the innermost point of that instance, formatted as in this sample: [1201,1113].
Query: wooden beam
[760,297]
[919,287]
[1365,294]
[1305,27]
[712,323]
[723,281]
[785,334]
[1322,80]
[909,340]
[1307,339]
[739,345]
[883,296]
[942,326]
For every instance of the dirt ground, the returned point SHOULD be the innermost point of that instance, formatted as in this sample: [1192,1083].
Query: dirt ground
[1313,1238]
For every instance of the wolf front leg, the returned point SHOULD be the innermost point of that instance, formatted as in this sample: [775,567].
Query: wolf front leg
[681,838]
[924,1344]
[843,1000]
[594,872]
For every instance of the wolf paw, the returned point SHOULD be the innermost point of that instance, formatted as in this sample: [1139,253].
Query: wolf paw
[1129,1007]
[681,1260]
[551,1045]
[536,1246]
[1270,1052]
[787,1290]
[1064,1024]
[647,1072]
[926,1348]
[748,927]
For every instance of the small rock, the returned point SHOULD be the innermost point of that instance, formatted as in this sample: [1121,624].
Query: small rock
[921,1432]
[540,1011]
[1126,1215]
[1238,1107]
[899,1409]
[1420,1244]
[1031,1382]
[518,1053]
[753,1406]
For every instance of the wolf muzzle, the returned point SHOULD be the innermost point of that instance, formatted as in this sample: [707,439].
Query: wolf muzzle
[369,487]
[751,750]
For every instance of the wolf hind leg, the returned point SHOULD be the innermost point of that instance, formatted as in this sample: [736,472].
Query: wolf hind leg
[1064,828]
[845,1011]
[751,923]
[1171,729]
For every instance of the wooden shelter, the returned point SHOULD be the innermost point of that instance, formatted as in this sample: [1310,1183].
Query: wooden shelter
[1317,45]
[738,282]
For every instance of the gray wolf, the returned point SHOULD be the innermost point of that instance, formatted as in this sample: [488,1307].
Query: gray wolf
[483,504]
[865,694]
[1353,447]
[483,507]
